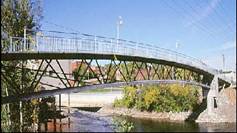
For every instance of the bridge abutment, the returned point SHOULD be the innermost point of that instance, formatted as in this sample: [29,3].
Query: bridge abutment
[212,95]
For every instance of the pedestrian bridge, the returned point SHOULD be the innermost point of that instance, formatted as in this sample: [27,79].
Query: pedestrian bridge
[157,63]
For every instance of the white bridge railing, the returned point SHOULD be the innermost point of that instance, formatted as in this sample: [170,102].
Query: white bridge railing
[84,43]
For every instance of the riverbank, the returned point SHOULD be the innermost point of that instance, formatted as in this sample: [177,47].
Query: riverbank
[93,99]
[225,112]
[164,116]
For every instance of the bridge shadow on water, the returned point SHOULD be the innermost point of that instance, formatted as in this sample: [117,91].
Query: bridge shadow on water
[90,109]
[197,110]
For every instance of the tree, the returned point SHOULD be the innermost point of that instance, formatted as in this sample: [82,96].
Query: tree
[15,16]
[78,73]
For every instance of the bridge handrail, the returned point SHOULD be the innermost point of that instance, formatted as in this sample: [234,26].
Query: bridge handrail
[93,44]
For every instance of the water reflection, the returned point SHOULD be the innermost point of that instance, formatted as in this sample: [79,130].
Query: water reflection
[78,121]
[221,127]
[146,125]
[81,121]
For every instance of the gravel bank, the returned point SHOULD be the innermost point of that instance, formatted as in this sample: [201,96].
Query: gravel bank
[89,99]
[171,116]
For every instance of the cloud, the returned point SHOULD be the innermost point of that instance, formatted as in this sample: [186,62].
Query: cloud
[205,12]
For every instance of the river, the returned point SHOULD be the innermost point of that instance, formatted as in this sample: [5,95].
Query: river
[145,125]
[91,121]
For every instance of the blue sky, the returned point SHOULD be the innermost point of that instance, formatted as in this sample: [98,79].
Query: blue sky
[205,29]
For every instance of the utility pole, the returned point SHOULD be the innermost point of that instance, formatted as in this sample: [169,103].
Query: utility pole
[223,59]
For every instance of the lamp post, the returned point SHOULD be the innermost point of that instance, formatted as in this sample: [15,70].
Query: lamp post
[223,60]
[176,45]
[119,22]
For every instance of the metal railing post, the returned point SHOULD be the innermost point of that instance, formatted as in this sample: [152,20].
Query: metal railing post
[135,48]
[111,43]
[24,45]
[36,46]
[147,51]
[80,46]
[95,45]
[11,47]
[76,42]
[117,49]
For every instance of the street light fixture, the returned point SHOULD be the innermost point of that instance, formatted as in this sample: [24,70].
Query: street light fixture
[119,22]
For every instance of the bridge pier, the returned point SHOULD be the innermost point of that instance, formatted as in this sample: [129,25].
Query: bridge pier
[68,110]
[211,96]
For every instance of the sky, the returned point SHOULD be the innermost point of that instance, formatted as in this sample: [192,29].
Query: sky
[205,29]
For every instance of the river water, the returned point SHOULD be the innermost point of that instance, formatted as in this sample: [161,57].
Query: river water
[87,121]
[145,125]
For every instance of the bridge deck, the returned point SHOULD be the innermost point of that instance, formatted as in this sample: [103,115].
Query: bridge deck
[44,55]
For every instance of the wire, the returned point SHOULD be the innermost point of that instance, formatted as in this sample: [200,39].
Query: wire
[181,14]
[197,13]
[224,10]
[214,23]
[202,26]
[63,27]
[221,16]
[231,30]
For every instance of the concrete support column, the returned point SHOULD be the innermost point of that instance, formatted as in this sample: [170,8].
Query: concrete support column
[210,102]
[21,119]
[69,110]
[213,92]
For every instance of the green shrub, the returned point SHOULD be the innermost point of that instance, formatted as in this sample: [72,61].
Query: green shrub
[151,97]
[129,96]
[161,98]
[118,103]
[139,104]
[122,125]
